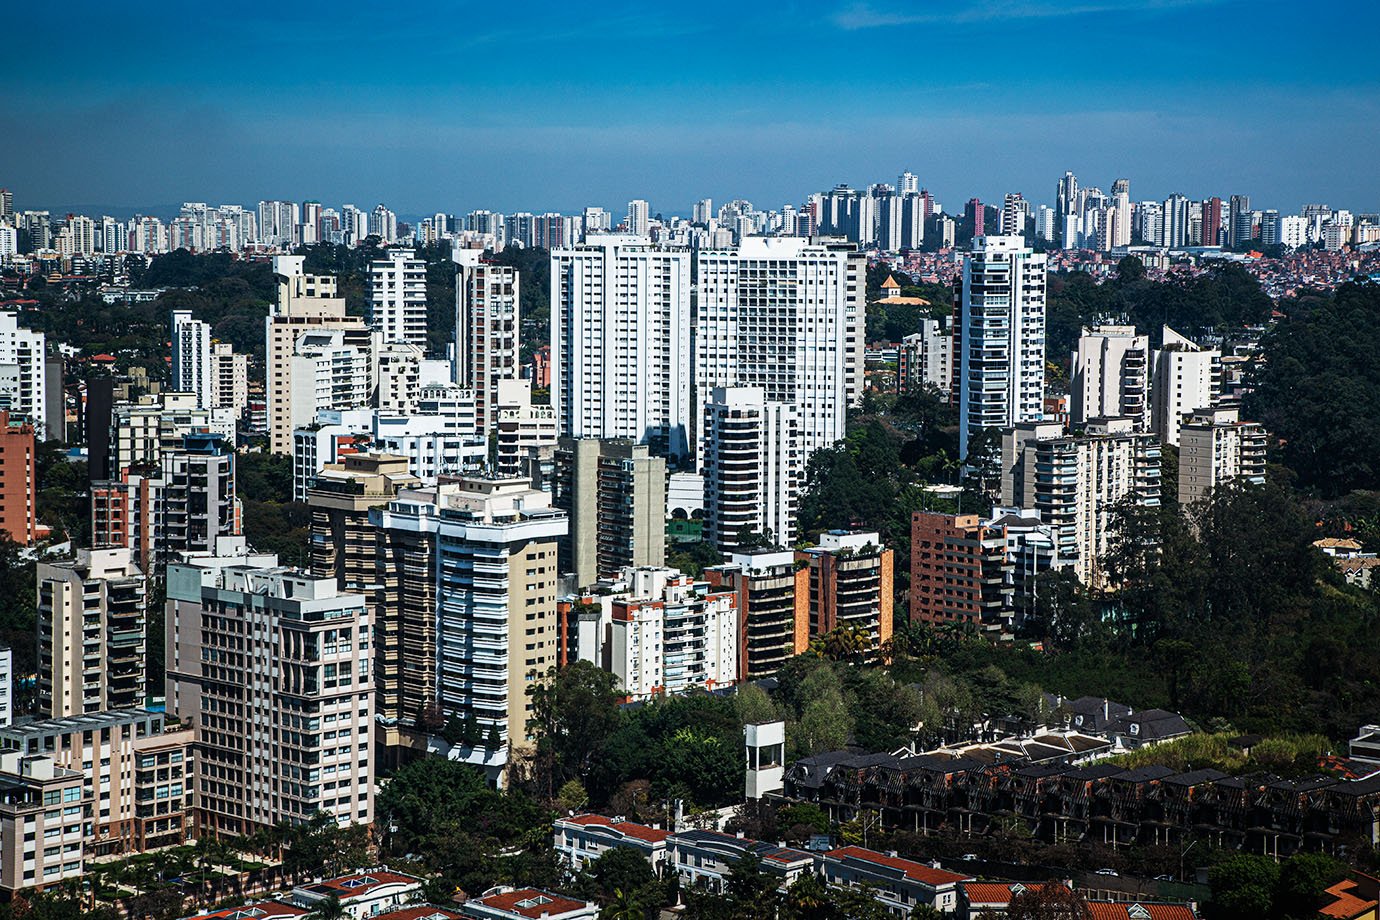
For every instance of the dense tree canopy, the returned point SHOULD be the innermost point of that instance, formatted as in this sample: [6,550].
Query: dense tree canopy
[1317,389]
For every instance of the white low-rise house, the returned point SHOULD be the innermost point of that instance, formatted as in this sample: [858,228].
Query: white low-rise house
[900,885]
[362,894]
[528,904]
[706,858]
[581,839]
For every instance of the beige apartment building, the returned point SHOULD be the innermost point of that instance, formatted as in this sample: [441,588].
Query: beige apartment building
[91,622]
[271,669]
[43,813]
[306,303]
[134,767]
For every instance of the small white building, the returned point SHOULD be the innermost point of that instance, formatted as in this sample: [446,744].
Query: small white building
[581,839]
[363,894]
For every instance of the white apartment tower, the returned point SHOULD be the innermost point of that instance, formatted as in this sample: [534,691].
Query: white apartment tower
[191,358]
[925,358]
[487,329]
[999,347]
[669,634]
[1121,203]
[1186,377]
[23,388]
[1075,482]
[304,303]
[1216,447]
[229,378]
[271,668]
[397,297]
[1111,376]
[620,342]
[752,467]
[785,315]
[327,373]
[639,217]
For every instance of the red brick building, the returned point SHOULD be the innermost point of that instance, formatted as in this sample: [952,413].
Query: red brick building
[18,481]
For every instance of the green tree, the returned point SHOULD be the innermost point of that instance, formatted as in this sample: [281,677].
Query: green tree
[1302,881]
[1243,887]
[574,713]
[621,869]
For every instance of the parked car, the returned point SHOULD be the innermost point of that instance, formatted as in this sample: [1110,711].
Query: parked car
[970,857]
[1107,872]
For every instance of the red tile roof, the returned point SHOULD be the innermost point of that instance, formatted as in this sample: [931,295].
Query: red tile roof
[261,910]
[915,871]
[420,912]
[1350,901]
[997,892]
[626,828]
[360,884]
[532,902]
[1122,910]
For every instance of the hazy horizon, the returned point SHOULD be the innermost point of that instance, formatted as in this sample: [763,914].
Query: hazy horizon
[456,107]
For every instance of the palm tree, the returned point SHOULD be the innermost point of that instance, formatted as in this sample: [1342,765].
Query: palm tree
[624,906]
[329,908]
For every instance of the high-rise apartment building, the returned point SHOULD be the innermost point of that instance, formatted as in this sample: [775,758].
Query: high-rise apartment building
[137,767]
[639,217]
[18,481]
[1073,482]
[620,342]
[614,493]
[1014,212]
[1216,447]
[669,634]
[342,541]
[925,358]
[199,504]
[975,213]
[786,315]
[958,571]
[1240,220]
[495,613]
[229,379]
[523,431]
[191,358]
[23,386]
[91,644]
[1121,204]
[850,585]
[43,817]
[1185,377]
[999,348]
[271,668]
[304,303]
[328,371]
[752,467]
[278,223]
[1212,221]
[487,330]
[1111,376]
[398,370]
[773,606]
[397,297]
[1174,222]
[142,431]
[127,512]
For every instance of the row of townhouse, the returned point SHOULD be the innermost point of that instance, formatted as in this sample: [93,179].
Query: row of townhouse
[1102,802]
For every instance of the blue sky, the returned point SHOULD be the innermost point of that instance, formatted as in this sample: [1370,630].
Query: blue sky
[441,105]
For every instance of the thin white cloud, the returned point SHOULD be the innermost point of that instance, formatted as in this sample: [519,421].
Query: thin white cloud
[864,15]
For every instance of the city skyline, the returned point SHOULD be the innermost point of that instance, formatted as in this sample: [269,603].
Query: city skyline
[422,111]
